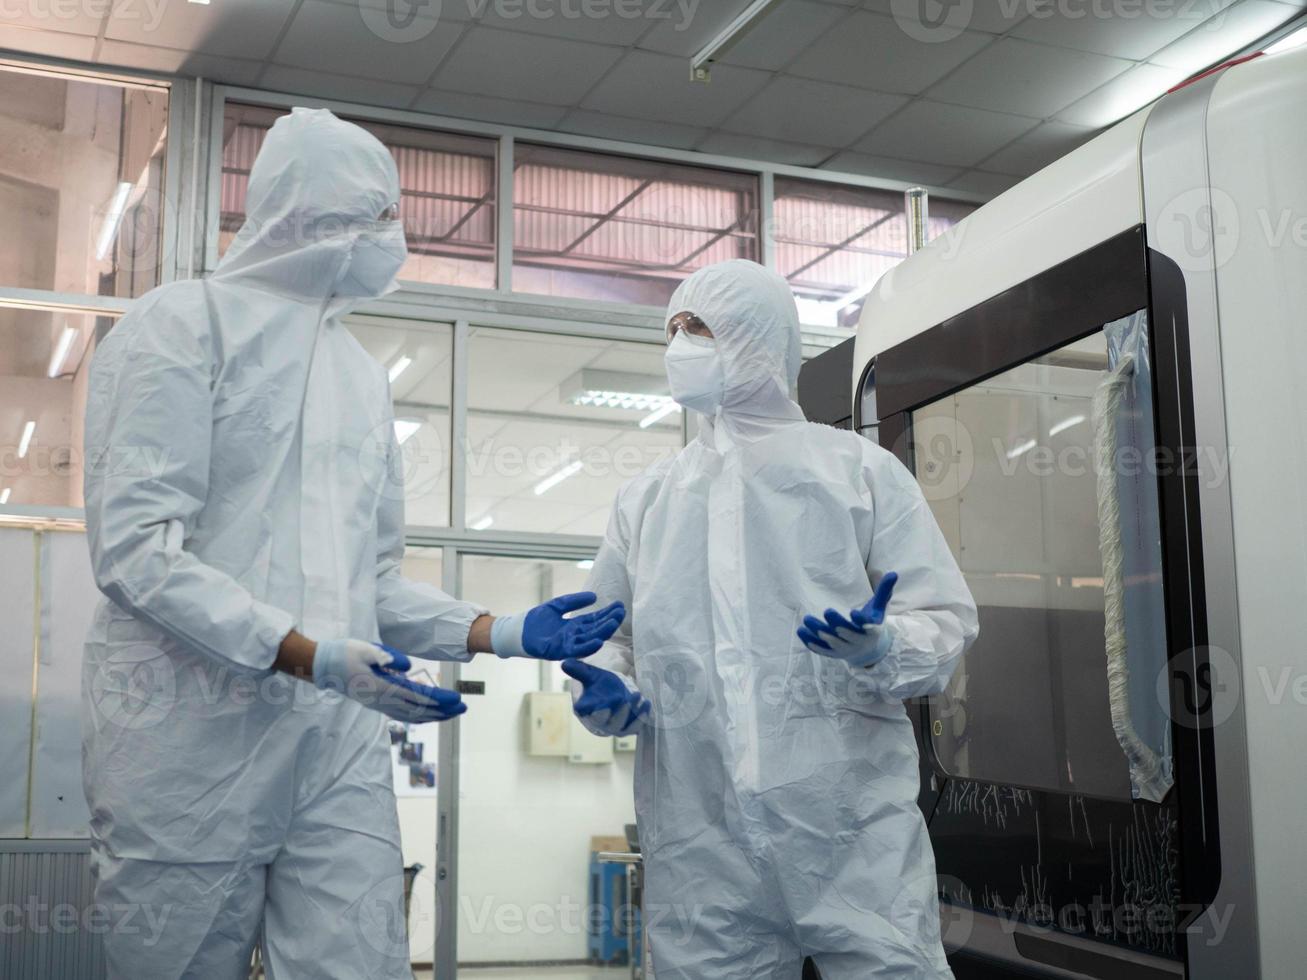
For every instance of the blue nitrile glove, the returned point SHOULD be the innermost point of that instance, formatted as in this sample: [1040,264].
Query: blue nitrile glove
[544,634]
[374,677]
[861,642]
[606,702]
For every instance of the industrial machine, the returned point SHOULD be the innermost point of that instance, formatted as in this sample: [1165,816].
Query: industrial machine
[1097,379]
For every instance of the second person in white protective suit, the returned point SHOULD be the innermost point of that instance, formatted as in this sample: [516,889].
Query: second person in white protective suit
[245,513]
[777,775]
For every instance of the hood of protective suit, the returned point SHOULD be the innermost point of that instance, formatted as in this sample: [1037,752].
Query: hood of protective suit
[316,192]
[752,315]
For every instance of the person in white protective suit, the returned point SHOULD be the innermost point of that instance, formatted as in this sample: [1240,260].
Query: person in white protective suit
[245,515]
[777,779]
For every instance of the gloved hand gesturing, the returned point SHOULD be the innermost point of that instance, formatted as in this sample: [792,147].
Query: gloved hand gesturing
[607,703]
[863,641]
[374,677]
[544,634]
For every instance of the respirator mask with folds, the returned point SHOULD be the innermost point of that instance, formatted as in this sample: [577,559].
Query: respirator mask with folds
[379,253]
[694,372]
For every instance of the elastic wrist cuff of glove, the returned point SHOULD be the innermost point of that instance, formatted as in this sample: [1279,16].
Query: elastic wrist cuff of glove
[506,636]
[325,657]
[877,653]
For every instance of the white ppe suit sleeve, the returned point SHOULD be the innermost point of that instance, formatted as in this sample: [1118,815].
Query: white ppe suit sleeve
[932,615]
[413,617]
[149,420]
[610,581]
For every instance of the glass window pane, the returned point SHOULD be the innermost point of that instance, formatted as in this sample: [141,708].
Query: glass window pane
[419,359]
[557,424]
[447,194]
[81,185]
[528,815]
[834,241]
[596,226]
[1019,506]
[45,356]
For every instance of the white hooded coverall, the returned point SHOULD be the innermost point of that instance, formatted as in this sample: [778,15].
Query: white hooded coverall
[776,790]
[243,480]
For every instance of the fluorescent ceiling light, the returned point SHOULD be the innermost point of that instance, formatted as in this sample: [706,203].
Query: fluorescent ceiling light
[658,414]
[112,218]
[399,367]
[4,495]
[1065,424]
[61,351]
[1294,40]
[586,564]
[557,477]
[26,440]
[404,429]
[599,388]
[482,524]
[1020,449]
[202,3]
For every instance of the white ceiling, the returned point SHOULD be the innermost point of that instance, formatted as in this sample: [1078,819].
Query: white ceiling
[846,85]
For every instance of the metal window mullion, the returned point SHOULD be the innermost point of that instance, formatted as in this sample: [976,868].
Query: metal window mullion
[444,957]
[766,238]
[504,225]
[458,429]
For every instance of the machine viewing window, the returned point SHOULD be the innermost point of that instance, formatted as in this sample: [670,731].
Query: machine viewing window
[1028,473]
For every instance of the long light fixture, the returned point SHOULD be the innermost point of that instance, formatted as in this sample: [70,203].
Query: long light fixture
[26,441]
[4,494]
[1066,423]
[404,429]
[482,524]
[628,390]
[660,413]
[585,564]
[557,477]
[1021,448]
[114,217]
[61,350]
[399,367]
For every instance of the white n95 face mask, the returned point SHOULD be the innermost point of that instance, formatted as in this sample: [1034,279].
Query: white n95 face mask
[379,253]
[694,372]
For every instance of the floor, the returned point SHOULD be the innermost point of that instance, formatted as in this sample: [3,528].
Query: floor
[537,973]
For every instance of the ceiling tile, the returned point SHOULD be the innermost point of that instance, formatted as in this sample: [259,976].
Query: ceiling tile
[507,65]
[685,26]
[944,134]
[1037,148]
[324,85]
[236,28]
[1121,96]
[448,10]
[1027,79]
[785,110]
[781,35]
[1127,30]
[983,182]
[232,71]
[604,21]
[655,86]
[326,35]
[76,46]
[506,111]
[648,131]
[760,148]
[872,51]
[1235,28]
[979,15]
[890,169]
[63,18]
